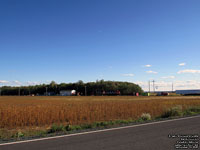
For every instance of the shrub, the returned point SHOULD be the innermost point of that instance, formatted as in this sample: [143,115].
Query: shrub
[104,124]
[86,126]
[195,109]
[192,111]
[139,120]
[97,124]
[146,116]
[56,128]
[172,112]
[19,134]
[72,128]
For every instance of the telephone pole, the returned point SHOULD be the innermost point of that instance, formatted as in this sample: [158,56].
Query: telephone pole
[29,91]
[46,90]
[172,87]
[19,91]
[85,90]
[149,86]
[153,86]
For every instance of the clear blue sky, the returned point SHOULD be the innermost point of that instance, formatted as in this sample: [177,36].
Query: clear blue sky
[71,40]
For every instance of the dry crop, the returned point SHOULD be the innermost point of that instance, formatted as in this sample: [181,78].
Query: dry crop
[20,112]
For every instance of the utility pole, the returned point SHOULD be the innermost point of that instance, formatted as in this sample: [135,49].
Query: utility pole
[85,90]
[172,87]
[56,89]
[19,91]
[29,92]
[153,86]
[149,86]
[46,90]
[0,92]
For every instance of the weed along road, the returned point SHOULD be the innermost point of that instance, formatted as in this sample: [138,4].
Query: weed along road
[163,135]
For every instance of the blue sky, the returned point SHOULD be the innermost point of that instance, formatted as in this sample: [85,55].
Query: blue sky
[67,41]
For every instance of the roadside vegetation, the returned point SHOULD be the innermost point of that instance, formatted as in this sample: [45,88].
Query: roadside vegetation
[41,116]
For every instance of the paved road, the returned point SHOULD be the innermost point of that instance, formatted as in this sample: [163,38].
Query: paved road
[145,137]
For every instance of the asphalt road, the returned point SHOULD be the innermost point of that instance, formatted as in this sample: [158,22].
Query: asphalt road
[153,136]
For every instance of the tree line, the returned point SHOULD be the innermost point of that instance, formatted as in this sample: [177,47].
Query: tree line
[100,87]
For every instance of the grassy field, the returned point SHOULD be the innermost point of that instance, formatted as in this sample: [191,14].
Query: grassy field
[22,112]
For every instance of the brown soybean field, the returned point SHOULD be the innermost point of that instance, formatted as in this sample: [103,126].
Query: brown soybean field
[25,111]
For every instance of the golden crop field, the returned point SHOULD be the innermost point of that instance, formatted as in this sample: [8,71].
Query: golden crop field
[20,112]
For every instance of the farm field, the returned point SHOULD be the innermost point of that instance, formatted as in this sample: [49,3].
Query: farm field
[23,112]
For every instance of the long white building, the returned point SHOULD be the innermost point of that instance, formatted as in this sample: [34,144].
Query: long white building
[188,92]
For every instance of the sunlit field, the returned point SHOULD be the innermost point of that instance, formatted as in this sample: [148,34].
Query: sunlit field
[20,112]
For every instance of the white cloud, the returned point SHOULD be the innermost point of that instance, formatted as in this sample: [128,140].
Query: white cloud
[148,66]
[3,81]
[169,77]
[151,72]
[11,83]
[128,75]
[161,85]
[167,86]
[188,71]
[16,82]
[190,84]
[182,64]
[32,83]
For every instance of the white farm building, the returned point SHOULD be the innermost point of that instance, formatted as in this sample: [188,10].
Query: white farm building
[67,92]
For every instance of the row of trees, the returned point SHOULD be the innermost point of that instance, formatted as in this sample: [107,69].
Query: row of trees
[90,88]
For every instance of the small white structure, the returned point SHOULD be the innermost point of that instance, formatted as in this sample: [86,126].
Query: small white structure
[67,92]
